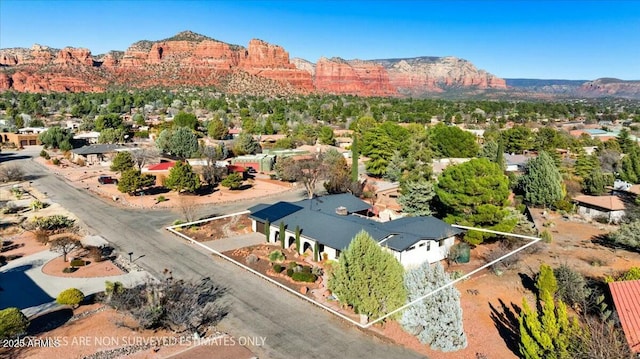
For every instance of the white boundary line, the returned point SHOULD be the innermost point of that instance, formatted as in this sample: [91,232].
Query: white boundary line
[534,240]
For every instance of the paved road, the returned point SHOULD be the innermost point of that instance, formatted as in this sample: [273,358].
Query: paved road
[293,328]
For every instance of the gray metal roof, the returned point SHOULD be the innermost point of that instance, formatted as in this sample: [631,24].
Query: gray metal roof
[96,149]
[318,220]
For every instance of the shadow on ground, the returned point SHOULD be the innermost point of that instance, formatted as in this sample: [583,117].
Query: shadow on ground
[506,321]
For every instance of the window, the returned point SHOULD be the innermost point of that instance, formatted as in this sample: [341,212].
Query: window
[441,242]
[422,244]
[429,246]
[411,248]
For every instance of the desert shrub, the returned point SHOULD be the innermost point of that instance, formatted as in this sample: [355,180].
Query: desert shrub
[178,222]
[276,256]
[12,323]
[317,271]
[69,269]
[546,236]
[304,277]
[52,223]
[278,268]
[305,269]
[71,296]
[572,287]
[43,153]
[161,199]
[10,173]
[627,235]
[458,251]
[563,205]
[632,274]
[36,205]
[596,261]
[95,253]
[289,272]
[602,219]
[77,263]
[55,161]
[252,259]
[41,236]
[505,264]
[292,265]
[17,192]
[80,162]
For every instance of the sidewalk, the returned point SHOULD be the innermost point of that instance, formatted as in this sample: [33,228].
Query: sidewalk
[26,287]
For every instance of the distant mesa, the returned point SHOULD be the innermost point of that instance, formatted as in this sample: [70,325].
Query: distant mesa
[261,68]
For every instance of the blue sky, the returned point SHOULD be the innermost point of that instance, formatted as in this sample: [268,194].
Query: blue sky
[513,39]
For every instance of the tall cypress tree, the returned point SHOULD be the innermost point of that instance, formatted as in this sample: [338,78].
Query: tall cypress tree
[542,181]
[354,158]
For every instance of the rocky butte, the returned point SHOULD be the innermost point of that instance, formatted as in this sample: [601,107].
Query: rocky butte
[190,59]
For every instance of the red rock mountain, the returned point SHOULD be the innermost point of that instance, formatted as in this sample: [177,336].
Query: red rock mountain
[190,59]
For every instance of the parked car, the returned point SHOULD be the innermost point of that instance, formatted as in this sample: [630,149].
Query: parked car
[107,180]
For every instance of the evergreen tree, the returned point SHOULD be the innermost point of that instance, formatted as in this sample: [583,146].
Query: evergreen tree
[625,141]
[416,197]
[245,144]
[185,119]
[354,159]
[182,178]
[216,129]
[542,182]
[57,138]
[132,181]
[298,239]
[281,234]
[122,162]
[452,142]
[585,164]
[368,278]
[489,151]
[394,168]
[268,127]
[630,166]
[595,183]
[183,143]
[325,136]
[232,181]
[267,230]
[436,320]
[475,194]
[548,333]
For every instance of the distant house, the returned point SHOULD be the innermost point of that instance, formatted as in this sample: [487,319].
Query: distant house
[516,163]
[260,162]
[20,139]
[268,141]
[626,298]
[235,132]
[159,170]
[610,208]
[331,222]
[94,154]
[88,137]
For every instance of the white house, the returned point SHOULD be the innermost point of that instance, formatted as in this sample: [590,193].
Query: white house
[329,223]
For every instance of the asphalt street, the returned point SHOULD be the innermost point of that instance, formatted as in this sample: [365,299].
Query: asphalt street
[292,328]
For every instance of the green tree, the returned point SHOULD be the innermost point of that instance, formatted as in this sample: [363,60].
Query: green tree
[268,127]
[355,154]
[111,120]
[185,119]
[216,129]
[132,181]
[625,141]
[517,139]
[394,168]
[281,234]
[416,197]
[183,143]
[245,144]
[325,136]
[548,333]
[627,235]
[13,323]
[630,166]
[379,147]
[56,137]
[585,164]
[596,182]
[436,320]
[542,182]
[112,135]
[232,181]
[451,141]
[368,278]
[122,162]
[298,248]
[182,178]
[475,193]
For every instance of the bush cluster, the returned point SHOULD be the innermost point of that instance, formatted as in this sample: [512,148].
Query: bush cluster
[77,263]
[278,268]
[12,323]
[304,277]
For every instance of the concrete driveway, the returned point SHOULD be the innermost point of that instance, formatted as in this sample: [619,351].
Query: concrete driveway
[26,287]
[236,242]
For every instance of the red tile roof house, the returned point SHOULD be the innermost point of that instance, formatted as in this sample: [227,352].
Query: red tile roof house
[160,170]
[592,207]
[626,297]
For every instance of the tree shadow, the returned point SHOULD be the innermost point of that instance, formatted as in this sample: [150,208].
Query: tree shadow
[49,321]
[244,187]
[506,321]
[152,191]
[528,282]
[603,240]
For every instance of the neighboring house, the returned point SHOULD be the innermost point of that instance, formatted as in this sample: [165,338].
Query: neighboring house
[96,153]
[88,137]
[318,148]
[626,298]
[608,207]
[441,164]
[623,188]
[515,163]
[332,221]
[268,141]
[234,132]
[159,170]
[387,194]
[20,139]
[260,162]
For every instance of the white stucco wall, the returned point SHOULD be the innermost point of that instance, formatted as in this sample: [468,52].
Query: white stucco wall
[592,213]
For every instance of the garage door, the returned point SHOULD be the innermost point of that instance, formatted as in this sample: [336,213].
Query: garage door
[32,142]
[24,143]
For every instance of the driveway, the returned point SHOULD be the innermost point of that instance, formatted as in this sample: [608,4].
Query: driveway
[26,287]
[236,242]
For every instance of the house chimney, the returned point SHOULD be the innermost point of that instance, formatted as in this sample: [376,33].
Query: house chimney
[342,211]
